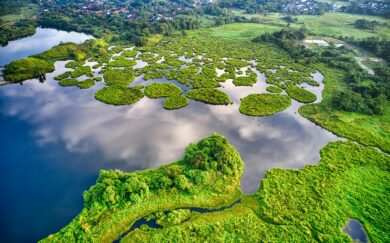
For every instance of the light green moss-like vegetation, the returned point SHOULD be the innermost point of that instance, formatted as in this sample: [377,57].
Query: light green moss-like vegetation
[63,52]
[264,104]
[80,71]
[120,61]
[246,80]
[300,94]
[208,176]
[63,76]
[26,68]
[175,102]
[306,205]
[209,96]
[274,89]
[119,77]
[158,90]
[68,82]
[117,95]
[86,84]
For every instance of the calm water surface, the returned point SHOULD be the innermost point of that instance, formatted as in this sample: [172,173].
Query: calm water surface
[55,140]
[41,41]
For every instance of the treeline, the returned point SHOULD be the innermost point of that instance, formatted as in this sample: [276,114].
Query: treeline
[366,93]
[20,29]
[368,7]
[379,47]
[288,40]
[280,6]
[123,29]
[14,6]
[367,24]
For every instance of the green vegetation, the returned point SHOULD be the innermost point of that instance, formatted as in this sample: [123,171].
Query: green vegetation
[366,129]
[246,80]
[64,52]
[68,82]
[300,94]
[158,90]
[80,71]
[86,84]
[9,32]
[174,217]
[63,76]
[264,104]
[209,96]
[26,68]
[274,89]
[117,95]
[208,176]
[311,204]
[242,31]
[119,77]
[175,102]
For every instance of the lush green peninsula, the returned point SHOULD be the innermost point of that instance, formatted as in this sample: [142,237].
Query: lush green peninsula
[208,176]
[289,205]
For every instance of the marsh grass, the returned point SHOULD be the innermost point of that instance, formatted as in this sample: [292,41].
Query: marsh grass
[264,104]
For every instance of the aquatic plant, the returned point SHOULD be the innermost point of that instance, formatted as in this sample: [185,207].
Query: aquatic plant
[158,90]
[119,77]
[175,102]
[117,95]
[85,84]
[274,89]
[209,96]
[300,94]
[264,104]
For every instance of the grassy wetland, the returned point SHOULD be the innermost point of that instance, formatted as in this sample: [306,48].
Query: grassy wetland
[308,204]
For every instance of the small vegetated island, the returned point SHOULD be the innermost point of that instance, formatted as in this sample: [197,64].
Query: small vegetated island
[264,104]
[290,205]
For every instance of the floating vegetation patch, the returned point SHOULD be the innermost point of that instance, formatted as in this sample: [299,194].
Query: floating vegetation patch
[63,76]
[119,77]
[68,82]
[116,95]
[158,90]
[245,80]
[300,94]
[175,102]
[85,84]
[209,96]
[80,71]
[274,89]
[264,104]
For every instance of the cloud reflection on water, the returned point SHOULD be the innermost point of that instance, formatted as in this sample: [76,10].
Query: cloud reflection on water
[147,135]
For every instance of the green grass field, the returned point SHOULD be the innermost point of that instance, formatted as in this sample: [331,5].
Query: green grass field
[25,13]
[242,31]
[329,24]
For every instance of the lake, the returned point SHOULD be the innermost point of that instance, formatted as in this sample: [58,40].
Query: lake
[55,140]
[42,40]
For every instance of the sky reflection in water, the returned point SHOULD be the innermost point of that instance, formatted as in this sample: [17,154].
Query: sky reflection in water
[55,141]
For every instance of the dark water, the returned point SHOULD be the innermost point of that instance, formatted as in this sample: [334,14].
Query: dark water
[55,140]
[41,41]
[356,231]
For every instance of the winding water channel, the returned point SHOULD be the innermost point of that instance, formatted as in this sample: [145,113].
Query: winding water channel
[55,140]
